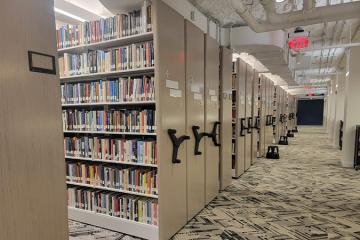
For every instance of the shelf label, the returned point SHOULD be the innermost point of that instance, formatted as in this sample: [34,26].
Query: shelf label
[198,96]
[172,84]
[175,93]
[195,89]
[213,98]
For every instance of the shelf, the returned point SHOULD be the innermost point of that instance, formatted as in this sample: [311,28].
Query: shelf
[109,104]
[106,74]
[112,189]
[111,161]
[142,37]
[117,224]
[112,133]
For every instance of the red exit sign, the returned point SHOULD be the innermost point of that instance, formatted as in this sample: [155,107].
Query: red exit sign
[298,42]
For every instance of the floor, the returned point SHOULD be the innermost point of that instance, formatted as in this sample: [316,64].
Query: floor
[304,195]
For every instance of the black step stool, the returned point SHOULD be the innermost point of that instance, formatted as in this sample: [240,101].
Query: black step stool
[290,134]
[283,140]
[295,130]
[273,152]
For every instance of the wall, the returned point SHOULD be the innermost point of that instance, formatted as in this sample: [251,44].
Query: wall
[310,112]
[352,99]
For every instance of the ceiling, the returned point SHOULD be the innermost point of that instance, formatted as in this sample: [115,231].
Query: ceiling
[309,68]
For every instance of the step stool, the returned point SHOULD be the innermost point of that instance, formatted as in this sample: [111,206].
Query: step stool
[283,140]
[273,152]
[290,134]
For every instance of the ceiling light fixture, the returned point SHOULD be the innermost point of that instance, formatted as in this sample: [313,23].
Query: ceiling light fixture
[69,14]
[279,1]
[94,6]
[347,74]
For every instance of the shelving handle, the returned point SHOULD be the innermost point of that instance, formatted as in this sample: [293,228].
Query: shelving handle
[250,125]
[176,144]
[213,134]
[242,127]
[198,137]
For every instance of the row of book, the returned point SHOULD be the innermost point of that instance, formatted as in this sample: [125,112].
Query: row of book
[117,90]
[124,206]
[135,56]
[121,25]
[140,180]
[117,150]
[133,121]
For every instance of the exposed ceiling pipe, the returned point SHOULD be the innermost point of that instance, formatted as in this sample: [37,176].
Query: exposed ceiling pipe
[331,43]
[323,43]
[336,38]
[297,18]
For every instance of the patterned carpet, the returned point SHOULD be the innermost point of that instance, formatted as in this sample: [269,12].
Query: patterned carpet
[304,195]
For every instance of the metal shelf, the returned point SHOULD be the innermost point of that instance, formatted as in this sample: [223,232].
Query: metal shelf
[112,133]
[111,161]
[90,76]
[109,104]
[112,189]
[142,37]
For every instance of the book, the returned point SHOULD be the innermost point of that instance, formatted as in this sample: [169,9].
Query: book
[139,209]
[125,120]
[134,179]
[104,29]
[109,91]
[113,149]
[134,56]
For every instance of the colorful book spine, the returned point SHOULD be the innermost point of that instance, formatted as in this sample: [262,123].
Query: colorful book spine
[135,56]
[121,25]
[135,121]
[117,150]
[139,180]
[109,91]
[124,206]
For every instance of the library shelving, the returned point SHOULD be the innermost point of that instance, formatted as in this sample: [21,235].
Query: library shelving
[266,113]
[240,128]
[33,190]
[255,116]
[100,96]
[129,72]
[234,118]
[141,37]
[249,76]
[184,65]
[226,108]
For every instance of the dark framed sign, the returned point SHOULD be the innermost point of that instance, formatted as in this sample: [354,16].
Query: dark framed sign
[41,63]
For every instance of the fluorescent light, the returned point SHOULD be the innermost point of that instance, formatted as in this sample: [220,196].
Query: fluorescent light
[347,74]
[279,1]
[93,6]
[69,14]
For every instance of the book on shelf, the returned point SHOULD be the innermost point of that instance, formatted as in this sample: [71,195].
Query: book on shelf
[133,179]
[124,120]
[119,205]
[109,91]
[134,56]
[112,149]
[121,25]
